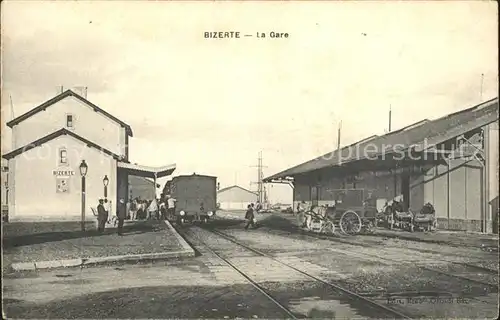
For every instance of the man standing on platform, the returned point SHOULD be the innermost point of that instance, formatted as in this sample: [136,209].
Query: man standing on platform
[102,216]
[121,214]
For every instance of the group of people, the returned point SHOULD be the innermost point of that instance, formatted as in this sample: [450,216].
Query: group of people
[139,209]
[135,209]
[151,209]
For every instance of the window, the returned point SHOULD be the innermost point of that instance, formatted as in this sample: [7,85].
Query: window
[63,156]
[69,121]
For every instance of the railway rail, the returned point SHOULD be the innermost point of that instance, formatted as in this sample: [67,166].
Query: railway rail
[248,278]
[388,312]
[358,254]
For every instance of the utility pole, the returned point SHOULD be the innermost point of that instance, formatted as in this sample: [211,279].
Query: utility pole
[11,108]
[390,117]
[481,90]
[338,135]
[260,177]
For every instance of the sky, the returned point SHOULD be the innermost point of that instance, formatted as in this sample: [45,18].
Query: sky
[210,105]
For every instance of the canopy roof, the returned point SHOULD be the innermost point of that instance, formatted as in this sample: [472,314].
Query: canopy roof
[145,171]
[418,137]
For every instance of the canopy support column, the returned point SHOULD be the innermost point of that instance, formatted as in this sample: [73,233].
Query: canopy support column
[154,184]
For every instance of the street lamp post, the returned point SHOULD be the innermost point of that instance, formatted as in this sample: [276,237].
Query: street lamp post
[83,173]
[105,181]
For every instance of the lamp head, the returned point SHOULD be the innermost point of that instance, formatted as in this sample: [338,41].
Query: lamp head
[83,168]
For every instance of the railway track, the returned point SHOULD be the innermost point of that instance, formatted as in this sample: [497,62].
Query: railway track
[363,256]
[381,310]
[354,243]
[339,240]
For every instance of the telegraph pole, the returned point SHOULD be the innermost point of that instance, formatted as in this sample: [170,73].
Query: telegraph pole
[390,117]
[481,90]
[11,108]
[338,135]
[260,177]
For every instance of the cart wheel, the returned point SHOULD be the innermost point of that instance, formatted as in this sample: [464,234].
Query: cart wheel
[350,222]
[329,228]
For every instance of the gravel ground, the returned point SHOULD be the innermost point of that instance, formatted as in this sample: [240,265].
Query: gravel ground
[205,287]
[304,296]
[160,302]
[143,237]
[384,280]
[471,255]
[401,256]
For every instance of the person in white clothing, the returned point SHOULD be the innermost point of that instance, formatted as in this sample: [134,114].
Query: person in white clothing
[107,207]
[152,209]
[171,207]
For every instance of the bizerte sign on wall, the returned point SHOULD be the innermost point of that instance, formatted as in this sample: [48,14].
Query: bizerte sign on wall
[63,173]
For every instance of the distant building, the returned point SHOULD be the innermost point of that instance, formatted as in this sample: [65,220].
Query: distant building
[235,198]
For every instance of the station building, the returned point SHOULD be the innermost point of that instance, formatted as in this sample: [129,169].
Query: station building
[451,162]
[235,198]
[53,145]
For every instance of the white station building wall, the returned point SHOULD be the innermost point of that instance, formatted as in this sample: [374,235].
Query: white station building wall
[41,188]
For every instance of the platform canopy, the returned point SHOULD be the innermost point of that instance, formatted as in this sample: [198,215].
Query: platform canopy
[145,171]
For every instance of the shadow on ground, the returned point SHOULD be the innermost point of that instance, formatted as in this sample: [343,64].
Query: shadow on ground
[17,235]
[190,302]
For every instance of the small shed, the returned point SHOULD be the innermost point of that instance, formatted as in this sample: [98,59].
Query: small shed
[235,198]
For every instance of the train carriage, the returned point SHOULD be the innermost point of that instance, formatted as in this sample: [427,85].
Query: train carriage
[195,197]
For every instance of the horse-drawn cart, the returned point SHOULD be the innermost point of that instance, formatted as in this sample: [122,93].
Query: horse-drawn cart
[352,211]
[394,216]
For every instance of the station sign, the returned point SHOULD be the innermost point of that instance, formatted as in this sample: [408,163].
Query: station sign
[63,173]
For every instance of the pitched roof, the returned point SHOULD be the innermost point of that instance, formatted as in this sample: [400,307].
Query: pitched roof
[58,98]
[235,186]
[54,135]
[417,136]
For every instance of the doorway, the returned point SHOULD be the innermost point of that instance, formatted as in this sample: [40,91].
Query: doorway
[314,196]
[405,190]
